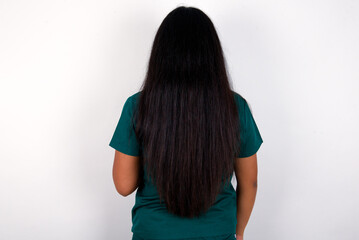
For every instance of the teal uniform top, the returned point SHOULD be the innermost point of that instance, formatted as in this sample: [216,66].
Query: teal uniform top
[151,220]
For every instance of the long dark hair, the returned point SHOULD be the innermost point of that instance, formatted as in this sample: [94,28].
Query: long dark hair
[187,119]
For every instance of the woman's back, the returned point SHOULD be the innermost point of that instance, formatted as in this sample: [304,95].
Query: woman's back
[150,217]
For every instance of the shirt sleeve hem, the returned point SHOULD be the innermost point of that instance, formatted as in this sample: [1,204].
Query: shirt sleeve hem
[253,151]
[123,150]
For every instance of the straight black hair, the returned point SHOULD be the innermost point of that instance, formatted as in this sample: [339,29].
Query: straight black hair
[187,119]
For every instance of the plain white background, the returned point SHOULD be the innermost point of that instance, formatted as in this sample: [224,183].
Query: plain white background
[67,67]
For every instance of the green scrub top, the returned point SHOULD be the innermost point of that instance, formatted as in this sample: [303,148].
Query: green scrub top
[150,219]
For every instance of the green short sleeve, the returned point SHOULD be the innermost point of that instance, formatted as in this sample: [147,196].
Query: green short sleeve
[250,138]
[124,138]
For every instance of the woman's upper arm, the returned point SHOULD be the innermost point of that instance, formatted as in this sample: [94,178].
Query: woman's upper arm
[245,165]
[127,155]
[125,173]
[246,171]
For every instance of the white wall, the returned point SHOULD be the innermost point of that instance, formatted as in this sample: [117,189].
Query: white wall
[66,68]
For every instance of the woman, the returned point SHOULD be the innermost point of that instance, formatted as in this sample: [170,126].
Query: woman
[180,138]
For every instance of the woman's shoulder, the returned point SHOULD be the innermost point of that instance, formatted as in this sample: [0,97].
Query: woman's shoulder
[134,96]
[240,100]
[133,99]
